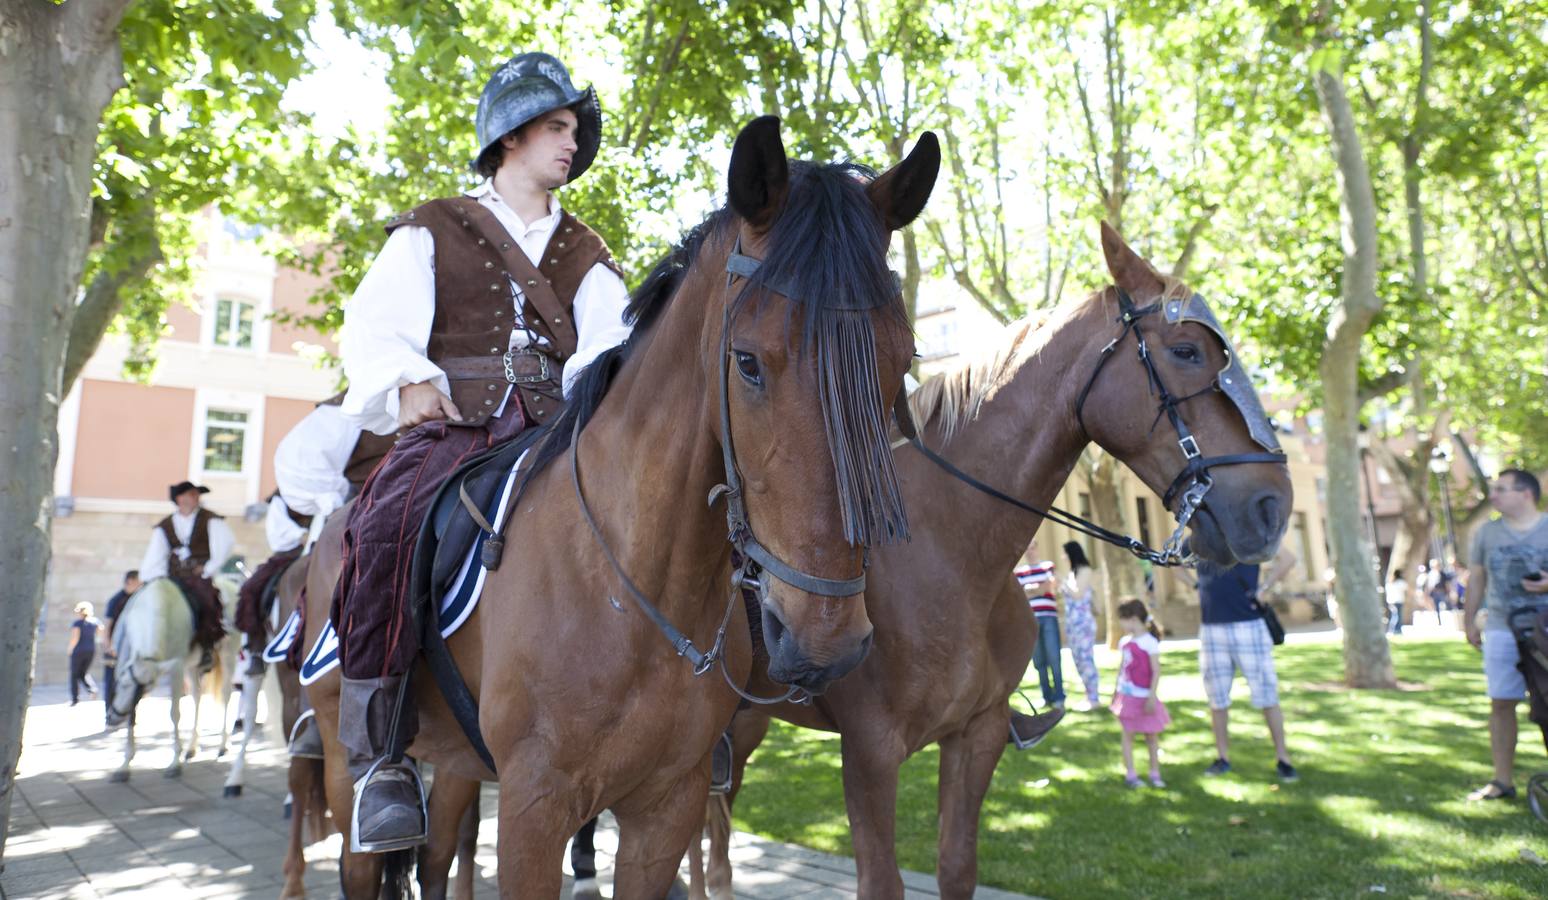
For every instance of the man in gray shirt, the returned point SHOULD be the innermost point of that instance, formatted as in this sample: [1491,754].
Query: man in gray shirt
[1505,573]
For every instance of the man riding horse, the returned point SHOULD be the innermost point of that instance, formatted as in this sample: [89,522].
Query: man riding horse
[468,328]
[190,546]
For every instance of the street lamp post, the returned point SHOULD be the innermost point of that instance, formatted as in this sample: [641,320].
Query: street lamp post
[1440,464]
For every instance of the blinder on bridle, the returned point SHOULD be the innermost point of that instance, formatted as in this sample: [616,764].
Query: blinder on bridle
[1193,482]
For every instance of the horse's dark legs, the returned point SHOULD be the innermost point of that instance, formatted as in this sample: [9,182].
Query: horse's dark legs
[871,797]
[968,759]
[655,826]
[583,852]
[451,800]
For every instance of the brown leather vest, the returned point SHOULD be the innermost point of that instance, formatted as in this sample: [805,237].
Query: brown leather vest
[198,544]
[476,261]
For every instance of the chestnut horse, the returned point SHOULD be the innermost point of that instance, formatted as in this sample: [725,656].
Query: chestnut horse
[953,630]
[775,328]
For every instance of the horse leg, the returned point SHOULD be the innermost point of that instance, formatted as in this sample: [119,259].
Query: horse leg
[968,759]
[306,787]
[655,826]
[467,848]
[176,769]
[537,818]
[451,798]
[871,798]
[249,713]
[195,683]
[121,774]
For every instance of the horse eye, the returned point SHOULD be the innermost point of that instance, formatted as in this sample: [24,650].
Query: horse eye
[1185,352]
[747,366]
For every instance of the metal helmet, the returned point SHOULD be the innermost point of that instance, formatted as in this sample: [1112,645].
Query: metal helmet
[528,86]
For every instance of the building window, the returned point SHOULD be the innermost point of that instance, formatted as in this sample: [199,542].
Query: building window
[233,323]
[225,438]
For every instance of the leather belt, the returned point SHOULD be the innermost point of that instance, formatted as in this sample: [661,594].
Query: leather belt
[514,367]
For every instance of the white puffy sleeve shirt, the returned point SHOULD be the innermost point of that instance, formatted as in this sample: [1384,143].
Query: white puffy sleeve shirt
[387,322]
[310,459]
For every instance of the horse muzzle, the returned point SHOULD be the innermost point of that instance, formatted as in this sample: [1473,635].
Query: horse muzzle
[790,662]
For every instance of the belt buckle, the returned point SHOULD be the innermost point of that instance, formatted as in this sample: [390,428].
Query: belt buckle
[510,369]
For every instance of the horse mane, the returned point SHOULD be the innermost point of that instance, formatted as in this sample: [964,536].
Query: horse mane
[826,252]
[952,399]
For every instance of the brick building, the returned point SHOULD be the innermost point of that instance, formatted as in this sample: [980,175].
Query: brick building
[230,383]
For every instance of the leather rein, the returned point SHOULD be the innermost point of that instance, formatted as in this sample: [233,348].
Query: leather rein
[1191,484]
[752,559]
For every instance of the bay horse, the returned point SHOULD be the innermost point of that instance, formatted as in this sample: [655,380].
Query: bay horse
[953,629]
[765,351]
[153,638]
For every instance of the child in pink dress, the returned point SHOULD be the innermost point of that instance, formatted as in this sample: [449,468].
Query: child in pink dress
[1135,703]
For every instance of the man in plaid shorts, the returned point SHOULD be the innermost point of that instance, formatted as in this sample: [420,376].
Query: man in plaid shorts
[1233,638]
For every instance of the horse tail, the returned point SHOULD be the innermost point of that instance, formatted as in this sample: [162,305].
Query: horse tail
[316,803]
[717,824]
[398,874]
[215,684]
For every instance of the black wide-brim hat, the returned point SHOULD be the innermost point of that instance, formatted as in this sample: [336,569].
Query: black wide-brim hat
[531,85]
[183,487]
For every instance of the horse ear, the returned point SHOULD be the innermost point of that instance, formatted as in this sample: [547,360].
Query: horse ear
[1131,273]
[759,177]
[899,193]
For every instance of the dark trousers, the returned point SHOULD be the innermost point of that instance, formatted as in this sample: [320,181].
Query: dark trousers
[80,672]
[208,611]
[252,618]
[109,679]
[370,604]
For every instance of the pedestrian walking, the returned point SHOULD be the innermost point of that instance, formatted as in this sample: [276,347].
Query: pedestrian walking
[115,605]
[1397,593]
[83,649]
[1080,621]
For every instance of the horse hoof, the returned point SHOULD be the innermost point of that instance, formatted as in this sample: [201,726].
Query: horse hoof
[173,772]
[232,790]
[119,776]
[188,756]
[219,753]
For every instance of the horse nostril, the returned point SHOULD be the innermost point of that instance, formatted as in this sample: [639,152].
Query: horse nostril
[773,627]
[1269,517]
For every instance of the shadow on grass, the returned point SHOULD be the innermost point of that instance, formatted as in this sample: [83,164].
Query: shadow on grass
[1380,807]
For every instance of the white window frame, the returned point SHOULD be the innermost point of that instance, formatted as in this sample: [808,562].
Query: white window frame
[249,402]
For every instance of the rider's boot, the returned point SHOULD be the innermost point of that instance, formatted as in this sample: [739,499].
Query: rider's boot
[389,809]
[305,737]
[1027,731]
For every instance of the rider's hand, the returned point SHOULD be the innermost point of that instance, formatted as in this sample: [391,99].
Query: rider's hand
[424,402]
[1473,636]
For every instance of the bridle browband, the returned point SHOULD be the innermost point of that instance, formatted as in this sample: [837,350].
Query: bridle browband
[752,558]
[1191,484]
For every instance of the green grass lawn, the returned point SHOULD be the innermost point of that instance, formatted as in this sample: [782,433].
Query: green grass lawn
[1379,809]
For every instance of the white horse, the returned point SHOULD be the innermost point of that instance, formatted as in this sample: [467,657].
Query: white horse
[267,684]
[153,637]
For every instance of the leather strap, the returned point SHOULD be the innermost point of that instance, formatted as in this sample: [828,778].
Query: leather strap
[534,284]
[527,365]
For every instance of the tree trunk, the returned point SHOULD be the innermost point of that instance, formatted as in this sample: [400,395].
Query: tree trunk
[1367,658]
[59,66]
[1121,574]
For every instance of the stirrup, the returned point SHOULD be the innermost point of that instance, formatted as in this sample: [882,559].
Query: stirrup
[357,846]
[298,730]
[722,766]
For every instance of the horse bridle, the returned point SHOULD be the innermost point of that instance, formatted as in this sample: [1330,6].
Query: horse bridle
[1192,483]
[752,558]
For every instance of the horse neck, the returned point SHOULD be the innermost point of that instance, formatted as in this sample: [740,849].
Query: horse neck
[649,459]
[1025,440]
[156,624]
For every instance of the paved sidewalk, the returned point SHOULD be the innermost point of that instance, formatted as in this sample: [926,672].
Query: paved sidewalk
[76,835]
